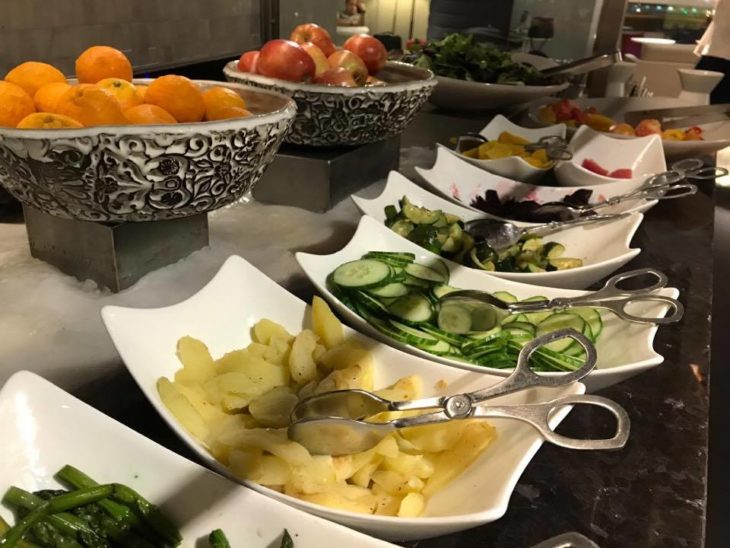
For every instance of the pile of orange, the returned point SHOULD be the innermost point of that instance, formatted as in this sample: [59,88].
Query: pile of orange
[37,95]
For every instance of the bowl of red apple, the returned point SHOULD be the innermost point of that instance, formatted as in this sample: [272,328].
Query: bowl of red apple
[345,96]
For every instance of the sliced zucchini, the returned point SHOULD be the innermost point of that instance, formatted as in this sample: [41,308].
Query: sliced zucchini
[532,244]
[454,318]
[396,289]
[504,296]
[555,322]
[391,212]
[413,308]
[402,227]
[532,267]
[553,250]
[426,273]
[419,215]
[362,274]
[564,263]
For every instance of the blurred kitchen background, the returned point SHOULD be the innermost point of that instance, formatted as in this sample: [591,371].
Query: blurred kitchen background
[161,34]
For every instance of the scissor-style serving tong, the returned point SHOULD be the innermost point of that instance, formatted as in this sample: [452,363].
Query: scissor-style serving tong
[337,423]
[610,296]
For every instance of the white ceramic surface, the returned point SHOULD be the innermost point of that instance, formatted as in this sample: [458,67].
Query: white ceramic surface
[462,95]
[624,348]
[698,84]
[604,248]
[43,428]
[222,313]
[716,135]
[643,155]
[514,167]
[461,182]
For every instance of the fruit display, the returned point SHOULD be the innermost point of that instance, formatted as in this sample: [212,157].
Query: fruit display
[446,235]
[570,114]
[310,56]
[37,95]
[595,167]
[506,145]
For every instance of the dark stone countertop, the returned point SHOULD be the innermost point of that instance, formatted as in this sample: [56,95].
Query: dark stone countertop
[652,493]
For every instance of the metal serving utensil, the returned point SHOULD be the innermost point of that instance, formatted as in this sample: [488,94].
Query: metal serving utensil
[502,234]
[610,297]
[335,423]
[555,147]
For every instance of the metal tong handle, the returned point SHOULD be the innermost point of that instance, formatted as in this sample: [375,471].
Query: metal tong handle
[538,416]
[694,168]
[615,299]
[555,147]
[554,226]
[649,192]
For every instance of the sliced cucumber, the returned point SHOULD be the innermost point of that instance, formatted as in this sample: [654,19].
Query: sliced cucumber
[426,273]
[553,250]
[416,337]
[504,296]
[592,317]
[451,338]
[555,322]
[455,318]
[440,291]
[403,256]
[362,274]
[411,281]
[483,318]
[441,348]
[413,308]
[439,266]
[524,327]
[517,318]
[396,289]
[371,303]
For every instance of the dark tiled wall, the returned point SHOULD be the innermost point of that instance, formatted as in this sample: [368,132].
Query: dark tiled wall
[153,33]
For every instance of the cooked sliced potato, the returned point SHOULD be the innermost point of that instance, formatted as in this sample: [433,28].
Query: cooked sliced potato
[272,441]
[273,408]
[301,361]
[318,475]
[411,506]
[351,352]
[434,438]
[326,325]
[182,409]
[265,329]
[278,350]
[196,360]
[271,471]
[407,388]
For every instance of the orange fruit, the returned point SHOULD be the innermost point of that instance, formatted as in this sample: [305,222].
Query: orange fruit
[177,95]
[46,97]
[15,104]
[149,114]
[47,120]
[99,62]
[218,97]
[125,92]
[91,105]
[142,90]
[32,75]
[225,113]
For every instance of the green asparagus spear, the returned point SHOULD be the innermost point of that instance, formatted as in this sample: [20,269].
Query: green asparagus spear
[217,539]
[5,527]
[57,504]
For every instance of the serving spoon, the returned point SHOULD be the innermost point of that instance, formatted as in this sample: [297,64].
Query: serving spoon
[503,234]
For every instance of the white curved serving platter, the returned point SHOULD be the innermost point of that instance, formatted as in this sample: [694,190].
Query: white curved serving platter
[44,428]
[222,314]
[604,248]
[624,349]
[461,182]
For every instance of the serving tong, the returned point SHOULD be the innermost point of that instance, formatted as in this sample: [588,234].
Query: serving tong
[555,147]
[336,423]
[610,297]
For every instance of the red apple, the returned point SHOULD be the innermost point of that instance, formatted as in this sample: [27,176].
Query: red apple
[369,49]
[348,60]
[285,60]
[248,61]
[310,32]
[336,77]
[320,59]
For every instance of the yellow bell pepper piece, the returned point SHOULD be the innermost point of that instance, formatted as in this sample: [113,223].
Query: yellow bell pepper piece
[511,139]
[599,122]
[673,134]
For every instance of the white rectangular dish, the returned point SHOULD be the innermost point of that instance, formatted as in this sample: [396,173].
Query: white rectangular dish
[604,248]
[43,428]
[624,349]
[222,314]
[461,182]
